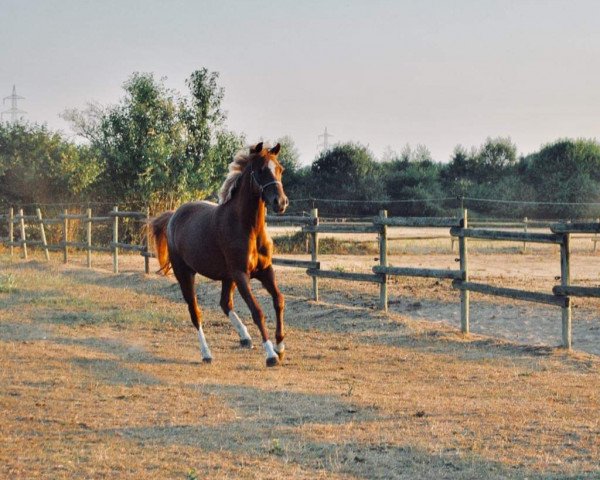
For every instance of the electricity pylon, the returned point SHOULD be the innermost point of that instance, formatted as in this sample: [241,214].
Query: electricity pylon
[14,111]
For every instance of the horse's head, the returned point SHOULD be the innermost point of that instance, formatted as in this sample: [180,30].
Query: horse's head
[266,174]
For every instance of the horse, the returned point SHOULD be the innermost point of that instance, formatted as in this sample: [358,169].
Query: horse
[228,241]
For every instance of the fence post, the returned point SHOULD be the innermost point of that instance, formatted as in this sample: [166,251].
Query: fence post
[65,236]
[115,241]
[314,251]
[464,294]
[43,233]
[23,234]
[146,257]
[89,237]
[595,239]
[525,230]
[11,230]
[383,261]
[565,280]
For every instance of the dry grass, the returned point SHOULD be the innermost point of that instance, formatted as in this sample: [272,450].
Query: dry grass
[101,378]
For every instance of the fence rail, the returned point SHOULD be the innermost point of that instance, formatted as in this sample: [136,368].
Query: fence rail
[459,228]
[87,220]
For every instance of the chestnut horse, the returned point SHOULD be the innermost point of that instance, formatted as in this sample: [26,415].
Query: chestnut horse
[229,242]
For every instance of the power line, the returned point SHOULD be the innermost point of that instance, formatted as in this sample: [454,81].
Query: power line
[524,202]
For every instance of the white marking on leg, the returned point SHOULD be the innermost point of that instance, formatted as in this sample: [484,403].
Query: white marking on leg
[206,355]
[272,166]
[269,349]
[280,347]
[239,326]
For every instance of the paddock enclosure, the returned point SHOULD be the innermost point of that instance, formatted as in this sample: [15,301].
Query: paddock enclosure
[102,376]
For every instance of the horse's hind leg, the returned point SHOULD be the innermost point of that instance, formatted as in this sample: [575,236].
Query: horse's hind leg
[267,278]
[186,279]
[227,307]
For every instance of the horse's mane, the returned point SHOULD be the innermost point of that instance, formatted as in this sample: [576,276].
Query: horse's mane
[236,168]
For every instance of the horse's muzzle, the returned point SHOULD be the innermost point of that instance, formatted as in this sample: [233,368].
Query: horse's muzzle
[280,204]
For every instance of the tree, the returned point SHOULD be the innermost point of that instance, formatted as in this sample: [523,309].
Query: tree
[565,171]
[346,172]
[40,166]
[493,160]
[159,147]
[415,179]
[288,157]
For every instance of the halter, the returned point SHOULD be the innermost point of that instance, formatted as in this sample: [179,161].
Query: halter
[261,188]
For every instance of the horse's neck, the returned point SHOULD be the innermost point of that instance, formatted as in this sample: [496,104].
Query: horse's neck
[250,207]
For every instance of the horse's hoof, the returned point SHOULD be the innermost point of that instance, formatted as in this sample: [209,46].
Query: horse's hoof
[207,360]
[272,362]
[246,343]
[281,355]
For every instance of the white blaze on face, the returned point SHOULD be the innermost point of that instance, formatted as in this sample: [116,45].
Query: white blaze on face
[272,166]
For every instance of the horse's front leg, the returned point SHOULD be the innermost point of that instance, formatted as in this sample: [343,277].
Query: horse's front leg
[227,307]
[242,280]
[267,278]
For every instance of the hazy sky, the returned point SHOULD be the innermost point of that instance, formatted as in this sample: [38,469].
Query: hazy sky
[384,73]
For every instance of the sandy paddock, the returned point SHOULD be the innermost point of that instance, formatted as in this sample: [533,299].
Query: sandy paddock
[101,378]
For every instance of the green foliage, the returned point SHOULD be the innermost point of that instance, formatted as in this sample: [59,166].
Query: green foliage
[157,147]
[40,166]
[346,172]
[288,157]
[414,180]
[565,171]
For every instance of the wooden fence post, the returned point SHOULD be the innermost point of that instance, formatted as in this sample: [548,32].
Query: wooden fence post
[43,233]
[596,239]
[314,251]
[23,234]
[525,230]
[383,261]
[89,237]
[146,257]
[565,280]
[464,294]
[65,236]
[115,240]
[11,230]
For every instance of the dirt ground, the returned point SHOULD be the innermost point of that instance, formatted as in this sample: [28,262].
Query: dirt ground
[101,377]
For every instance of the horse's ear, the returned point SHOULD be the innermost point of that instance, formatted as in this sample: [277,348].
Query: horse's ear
[275,149]
[257,148]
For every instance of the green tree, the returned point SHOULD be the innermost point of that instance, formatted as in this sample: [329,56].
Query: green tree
[159,147]
[40,166]
[346,172]
[416,179]
[565,171]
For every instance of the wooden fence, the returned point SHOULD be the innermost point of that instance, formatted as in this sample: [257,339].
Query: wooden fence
[63,219]
[560,234]
[459,228]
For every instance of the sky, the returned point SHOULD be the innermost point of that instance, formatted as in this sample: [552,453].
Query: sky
[382,73]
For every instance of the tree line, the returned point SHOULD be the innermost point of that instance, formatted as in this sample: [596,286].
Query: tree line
[160,148]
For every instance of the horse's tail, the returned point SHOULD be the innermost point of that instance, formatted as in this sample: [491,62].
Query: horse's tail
[157,230]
